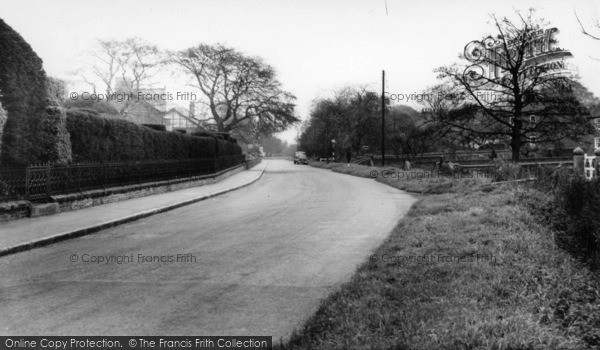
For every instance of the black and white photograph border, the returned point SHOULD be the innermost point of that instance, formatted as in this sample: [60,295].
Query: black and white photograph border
[300,174]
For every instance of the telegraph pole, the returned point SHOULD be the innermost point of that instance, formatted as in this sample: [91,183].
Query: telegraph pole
[383,118]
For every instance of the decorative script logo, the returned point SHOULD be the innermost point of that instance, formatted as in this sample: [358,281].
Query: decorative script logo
[492,58]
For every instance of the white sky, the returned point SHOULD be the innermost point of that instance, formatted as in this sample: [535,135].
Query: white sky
[316,46]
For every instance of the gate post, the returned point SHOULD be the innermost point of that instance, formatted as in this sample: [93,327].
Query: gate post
[597,160]
[27,181]
[47,180]
[578,158]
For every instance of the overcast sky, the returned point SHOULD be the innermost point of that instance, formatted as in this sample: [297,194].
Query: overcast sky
[316,46]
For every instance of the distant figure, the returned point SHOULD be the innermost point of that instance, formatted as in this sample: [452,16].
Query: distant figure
[348,156]
[438,165]
[493,155]
[406,165]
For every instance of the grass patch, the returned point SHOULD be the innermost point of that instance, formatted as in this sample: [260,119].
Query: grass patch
[484,274]
[415,180]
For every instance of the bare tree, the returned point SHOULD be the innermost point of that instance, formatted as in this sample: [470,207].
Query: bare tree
[122,67]
[593,33]
[508,93]
[105,66]
[242,93]
[138,62]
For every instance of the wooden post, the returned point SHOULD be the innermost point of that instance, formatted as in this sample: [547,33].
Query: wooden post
[578,158]
[383,118]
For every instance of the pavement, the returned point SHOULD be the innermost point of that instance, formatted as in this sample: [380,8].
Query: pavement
[256,261]
[24,234]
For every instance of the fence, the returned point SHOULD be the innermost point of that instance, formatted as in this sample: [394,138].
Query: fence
[589,164]
[39,182]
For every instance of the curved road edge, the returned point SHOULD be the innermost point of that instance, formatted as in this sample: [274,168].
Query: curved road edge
[79,232]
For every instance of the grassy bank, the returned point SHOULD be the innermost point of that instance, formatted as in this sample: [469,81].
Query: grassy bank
[416,180]
[466,269]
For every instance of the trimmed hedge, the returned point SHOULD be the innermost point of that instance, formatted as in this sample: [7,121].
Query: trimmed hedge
[97,139]
[102,107]
[2,122]
[157,127]
[34,130]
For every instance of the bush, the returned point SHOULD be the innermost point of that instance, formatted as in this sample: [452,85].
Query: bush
[570,207]
[578,215]
[96,139]
[506,171]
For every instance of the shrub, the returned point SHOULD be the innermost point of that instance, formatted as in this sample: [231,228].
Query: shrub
[506,171]
[578,215]
[570,207]
[96,139]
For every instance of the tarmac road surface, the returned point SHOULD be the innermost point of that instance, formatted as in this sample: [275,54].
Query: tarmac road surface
[255,261]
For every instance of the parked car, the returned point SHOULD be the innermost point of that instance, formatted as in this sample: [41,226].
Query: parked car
[300,158]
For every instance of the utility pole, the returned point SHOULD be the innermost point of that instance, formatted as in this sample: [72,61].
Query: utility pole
[383,118]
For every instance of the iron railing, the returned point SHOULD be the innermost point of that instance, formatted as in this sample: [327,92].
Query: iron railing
[39,182]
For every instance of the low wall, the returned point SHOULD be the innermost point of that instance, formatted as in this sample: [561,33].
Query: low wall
[14,210]
[73,201]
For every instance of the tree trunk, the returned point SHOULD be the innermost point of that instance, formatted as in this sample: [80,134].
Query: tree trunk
[516,151]
[515,143]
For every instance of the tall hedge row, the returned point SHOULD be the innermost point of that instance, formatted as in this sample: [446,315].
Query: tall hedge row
[28,137]
[97,139]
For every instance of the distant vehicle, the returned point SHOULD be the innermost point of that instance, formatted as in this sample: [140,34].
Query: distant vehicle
[300,158]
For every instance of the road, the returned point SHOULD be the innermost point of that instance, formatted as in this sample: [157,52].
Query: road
[255,261]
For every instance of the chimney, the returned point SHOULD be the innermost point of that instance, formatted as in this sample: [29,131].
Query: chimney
[192,109]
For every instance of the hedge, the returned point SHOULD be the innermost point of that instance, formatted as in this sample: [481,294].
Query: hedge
[97,139]
[157,127]
[28,134]
[102,107]
[2,122]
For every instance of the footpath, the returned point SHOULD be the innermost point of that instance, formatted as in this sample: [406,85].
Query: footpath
[25,234]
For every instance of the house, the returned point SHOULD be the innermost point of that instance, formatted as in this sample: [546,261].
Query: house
[174,119]
[141,106]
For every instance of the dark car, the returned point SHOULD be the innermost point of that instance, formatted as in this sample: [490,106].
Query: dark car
[300,158]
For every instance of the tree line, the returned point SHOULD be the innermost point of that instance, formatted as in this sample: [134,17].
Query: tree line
[240,93]
[503,92]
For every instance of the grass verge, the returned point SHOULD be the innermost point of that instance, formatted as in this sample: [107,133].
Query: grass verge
[466,269]
[416,180]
